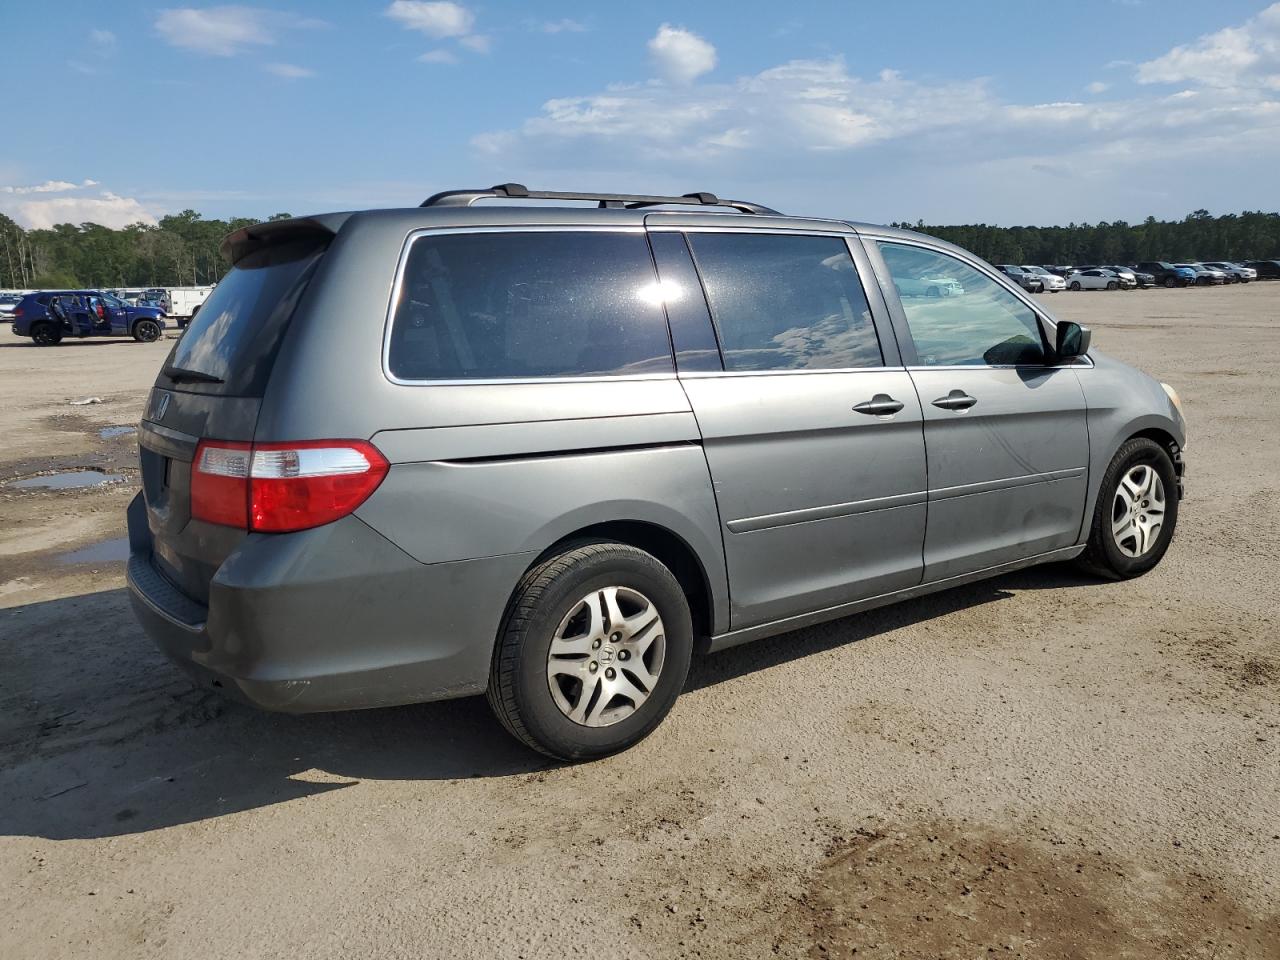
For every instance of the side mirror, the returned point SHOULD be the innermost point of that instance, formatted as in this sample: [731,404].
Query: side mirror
[1072,340]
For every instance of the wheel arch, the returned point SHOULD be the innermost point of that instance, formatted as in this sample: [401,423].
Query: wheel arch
[670,549]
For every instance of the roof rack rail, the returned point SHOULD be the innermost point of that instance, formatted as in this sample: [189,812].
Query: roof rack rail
[630,201]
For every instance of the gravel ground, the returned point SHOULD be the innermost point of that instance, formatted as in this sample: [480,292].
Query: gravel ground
[1038,766]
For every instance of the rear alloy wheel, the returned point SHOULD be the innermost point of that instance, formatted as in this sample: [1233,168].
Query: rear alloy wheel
[1075,284]
[45,335]
[146,331]
[594,652]
[1112,285]
[1136,512]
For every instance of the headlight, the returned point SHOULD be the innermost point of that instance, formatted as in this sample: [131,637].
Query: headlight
[1177,403]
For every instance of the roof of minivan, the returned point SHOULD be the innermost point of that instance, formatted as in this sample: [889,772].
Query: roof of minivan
[238,244]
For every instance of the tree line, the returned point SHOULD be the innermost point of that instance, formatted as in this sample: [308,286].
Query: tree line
[182,249]
[1252,235]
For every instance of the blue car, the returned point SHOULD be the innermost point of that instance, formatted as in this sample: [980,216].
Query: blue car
[49,315]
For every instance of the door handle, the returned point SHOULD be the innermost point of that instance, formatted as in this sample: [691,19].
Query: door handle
[881,405]
[955,400]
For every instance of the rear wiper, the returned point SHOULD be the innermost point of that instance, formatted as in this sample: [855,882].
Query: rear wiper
[178,374]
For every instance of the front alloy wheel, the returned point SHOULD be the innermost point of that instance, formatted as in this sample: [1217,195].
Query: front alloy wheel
[1137,512]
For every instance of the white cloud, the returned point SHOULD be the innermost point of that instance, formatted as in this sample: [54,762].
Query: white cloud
[105,40]
[477,43]
[1243,57]
[680,55]
[438,56]
[227,31]
[944,146]
[562,26]
[107,209]
[218,31]
[438,19]
[49,186]
[1098,87]
[289,71]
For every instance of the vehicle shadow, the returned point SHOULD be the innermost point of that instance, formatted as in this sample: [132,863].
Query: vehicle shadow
[100,736]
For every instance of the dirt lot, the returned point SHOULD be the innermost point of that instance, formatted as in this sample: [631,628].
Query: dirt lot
[1039,766]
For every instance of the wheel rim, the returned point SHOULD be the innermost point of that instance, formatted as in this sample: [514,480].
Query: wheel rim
[148,331]
[42,334]
[1137,513]
[606,656]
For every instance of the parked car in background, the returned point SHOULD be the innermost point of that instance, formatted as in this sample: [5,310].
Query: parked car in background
[1141,279]
[1205,276]
[181,303]
[1062,270]
[1167,274]
[8,303]
[1029,282]
[1266,269]
[1128,279]
[1053,283]
[1093,279]
[50,315]
[1236,273]
[330,454]
[939,286]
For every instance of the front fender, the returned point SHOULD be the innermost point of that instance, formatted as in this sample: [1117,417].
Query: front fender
[1121,402]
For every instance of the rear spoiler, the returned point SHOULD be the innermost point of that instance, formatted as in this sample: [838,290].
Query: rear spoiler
[239,244]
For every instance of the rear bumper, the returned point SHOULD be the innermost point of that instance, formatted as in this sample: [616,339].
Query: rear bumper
[335,618]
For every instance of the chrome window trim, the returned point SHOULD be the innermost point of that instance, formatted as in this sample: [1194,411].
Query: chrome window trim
[712,374]
[398,285]
[768,229]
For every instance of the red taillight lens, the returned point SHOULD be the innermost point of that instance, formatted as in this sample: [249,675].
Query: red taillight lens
[220,483]
[17,313]
[283,486]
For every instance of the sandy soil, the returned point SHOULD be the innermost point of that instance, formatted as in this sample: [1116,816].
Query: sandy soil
[1038,766]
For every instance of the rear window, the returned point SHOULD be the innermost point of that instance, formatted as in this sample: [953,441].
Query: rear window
[526,305]
[237,332]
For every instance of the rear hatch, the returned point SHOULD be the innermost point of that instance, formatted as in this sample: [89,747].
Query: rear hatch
[212,384]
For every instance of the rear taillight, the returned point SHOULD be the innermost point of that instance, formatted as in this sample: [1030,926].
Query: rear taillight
[17,313]
[279,487]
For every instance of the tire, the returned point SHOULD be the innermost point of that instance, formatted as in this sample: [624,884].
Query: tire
[1112,285]
[146,331]
[933,292]
[45,334]
[1170,282]
[560,600]
[1111,554]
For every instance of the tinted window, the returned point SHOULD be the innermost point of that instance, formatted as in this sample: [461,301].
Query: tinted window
[237,331]
[786,302]
[533,304]
[958,315]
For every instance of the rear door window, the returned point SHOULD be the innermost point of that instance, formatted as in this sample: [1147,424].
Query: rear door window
[783,302]
[231,343]
[528,304]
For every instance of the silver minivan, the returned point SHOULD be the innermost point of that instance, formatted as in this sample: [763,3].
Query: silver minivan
[549,451]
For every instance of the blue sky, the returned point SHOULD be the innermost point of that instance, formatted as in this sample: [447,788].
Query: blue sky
[945,111]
